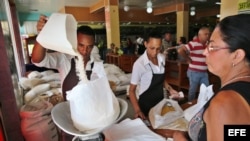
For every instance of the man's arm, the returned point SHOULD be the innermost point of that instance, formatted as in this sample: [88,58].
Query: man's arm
[182,51]
[169,88]
[38,52]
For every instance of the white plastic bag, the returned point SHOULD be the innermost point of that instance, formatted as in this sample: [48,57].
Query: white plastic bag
[204,95]
[59,34]
[157,120]
[131,130]
[93,104]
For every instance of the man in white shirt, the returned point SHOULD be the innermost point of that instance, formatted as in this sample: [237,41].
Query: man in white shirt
[64,62]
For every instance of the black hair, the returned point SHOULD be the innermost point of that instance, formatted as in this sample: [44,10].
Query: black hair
[152,34]
[235,31]
[183,40]
[86,30]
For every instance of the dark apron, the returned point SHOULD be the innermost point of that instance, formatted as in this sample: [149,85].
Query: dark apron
[72,79]
[153,95]
[69,82]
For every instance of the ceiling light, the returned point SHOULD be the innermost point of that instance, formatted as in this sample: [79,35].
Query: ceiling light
[149,4]
[149,10]
[126,8]
[218,3]
[192,8]
[192,13]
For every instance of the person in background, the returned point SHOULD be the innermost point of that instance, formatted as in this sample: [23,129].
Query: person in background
[111,50]
[140,48]
[149,75]
[167,42]
[227,56]
[197,70]
[182,41]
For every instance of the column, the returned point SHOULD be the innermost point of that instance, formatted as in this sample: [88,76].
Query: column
[112,22]
[182,24]
[182,20]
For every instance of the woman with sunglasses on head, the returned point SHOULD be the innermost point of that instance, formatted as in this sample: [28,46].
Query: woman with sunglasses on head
[227,56]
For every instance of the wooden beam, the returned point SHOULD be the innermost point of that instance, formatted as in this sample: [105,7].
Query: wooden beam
[111,2]
[207,12]
[171,8]
[164,10]
[98,7]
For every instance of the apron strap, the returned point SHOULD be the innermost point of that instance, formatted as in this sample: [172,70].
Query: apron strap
[70,80]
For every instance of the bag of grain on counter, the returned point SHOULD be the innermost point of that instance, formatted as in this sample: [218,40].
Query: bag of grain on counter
[165,112]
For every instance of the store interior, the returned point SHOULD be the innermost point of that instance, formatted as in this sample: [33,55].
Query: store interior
[18,35]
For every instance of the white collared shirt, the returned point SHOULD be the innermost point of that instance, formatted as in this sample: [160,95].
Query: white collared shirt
[143,70]
[61,62]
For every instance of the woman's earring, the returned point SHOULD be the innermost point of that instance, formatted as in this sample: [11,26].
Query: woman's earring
[233,65]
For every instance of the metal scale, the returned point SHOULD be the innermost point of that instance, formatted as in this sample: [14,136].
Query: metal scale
[62,118]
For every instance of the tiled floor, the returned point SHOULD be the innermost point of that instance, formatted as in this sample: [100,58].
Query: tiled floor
[130,111]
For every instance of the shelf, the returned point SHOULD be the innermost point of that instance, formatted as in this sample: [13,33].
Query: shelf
[176,74]
[125,62]
[173,81]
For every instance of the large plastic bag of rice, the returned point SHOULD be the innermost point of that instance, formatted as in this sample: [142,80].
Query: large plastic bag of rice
[93,104]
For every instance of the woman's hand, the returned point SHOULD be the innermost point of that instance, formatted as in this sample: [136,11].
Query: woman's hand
[139,114]
[180,136]
[173,92]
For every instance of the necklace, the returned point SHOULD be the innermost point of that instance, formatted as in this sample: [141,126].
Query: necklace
[240,77]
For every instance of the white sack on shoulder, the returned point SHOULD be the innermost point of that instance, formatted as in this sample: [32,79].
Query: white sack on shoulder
[93,105]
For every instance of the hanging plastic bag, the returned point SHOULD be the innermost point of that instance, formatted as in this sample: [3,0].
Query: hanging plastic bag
[165,112]
[93,104]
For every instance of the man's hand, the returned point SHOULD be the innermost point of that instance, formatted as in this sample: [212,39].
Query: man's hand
[41,22]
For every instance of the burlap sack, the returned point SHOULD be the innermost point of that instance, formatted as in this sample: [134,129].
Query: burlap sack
[36,122]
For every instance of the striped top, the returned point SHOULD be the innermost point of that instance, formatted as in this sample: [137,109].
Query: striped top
[195,49]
